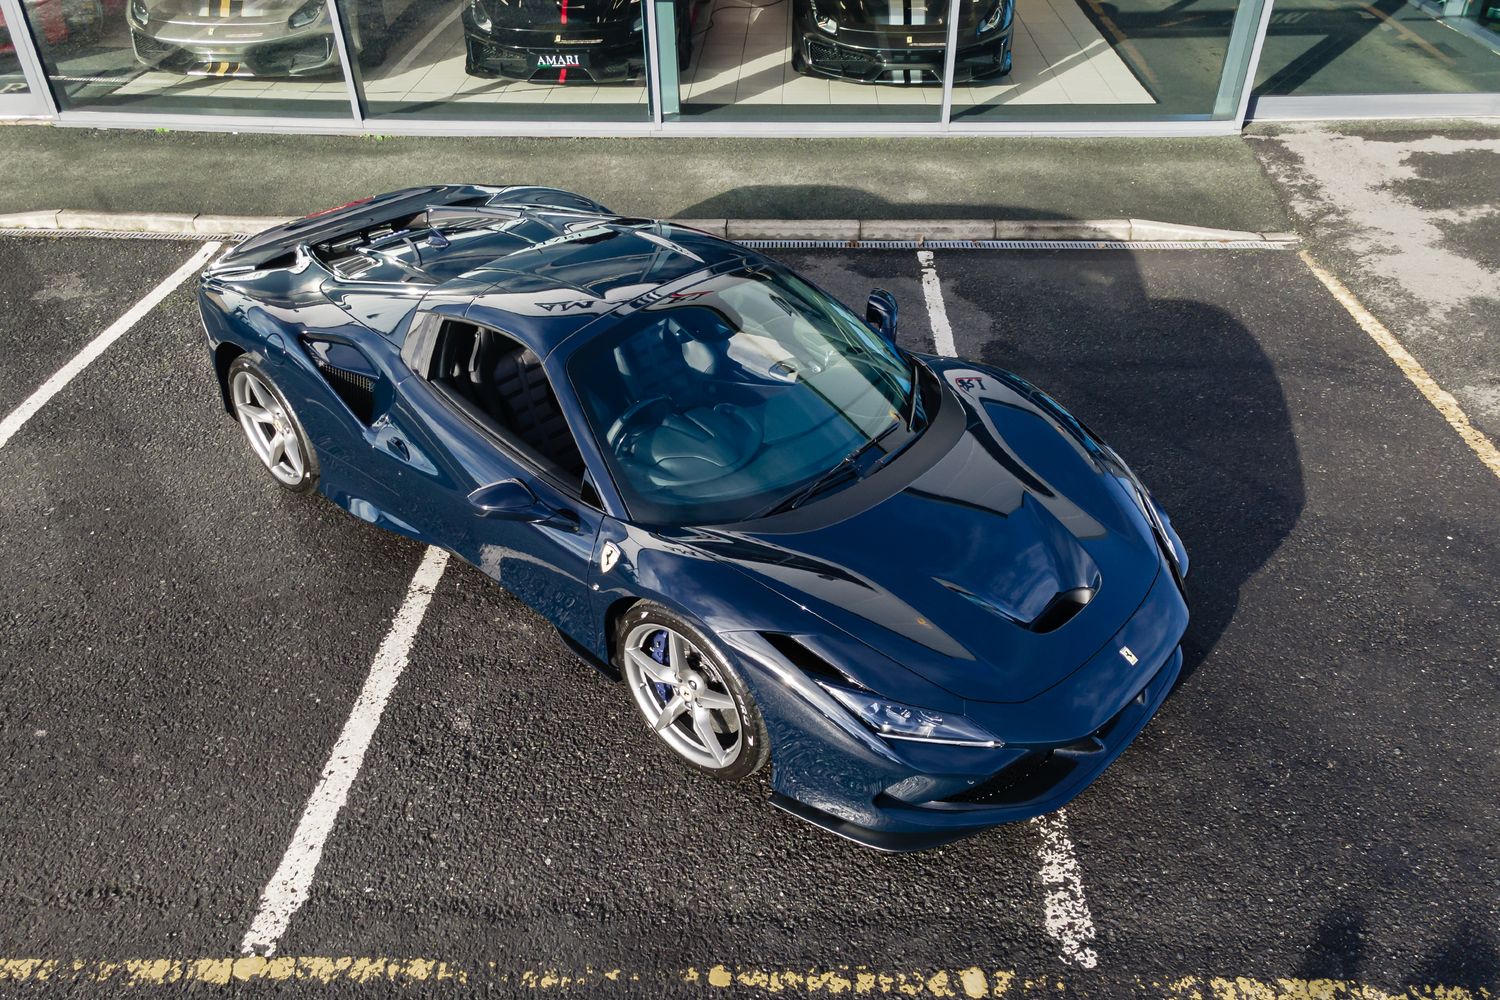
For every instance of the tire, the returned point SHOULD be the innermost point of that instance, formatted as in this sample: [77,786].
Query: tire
[707,675]
[260,407]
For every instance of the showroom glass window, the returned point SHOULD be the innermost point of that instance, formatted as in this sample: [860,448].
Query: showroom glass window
[513,60]
[1327,48]
[221,57]
[1105,60]
[790,61]
[11,80]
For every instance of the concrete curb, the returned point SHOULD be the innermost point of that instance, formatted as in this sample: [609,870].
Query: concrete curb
[841,230]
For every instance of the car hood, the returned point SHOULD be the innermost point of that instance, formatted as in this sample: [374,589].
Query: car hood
[216,12]
[964,574]
[542,13]
[876,15]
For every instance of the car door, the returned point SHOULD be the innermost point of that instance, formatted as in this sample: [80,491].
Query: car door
[509,497]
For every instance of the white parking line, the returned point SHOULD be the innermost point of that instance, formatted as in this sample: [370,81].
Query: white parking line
[289,887]
[932,291]
[17,418]
[1065,910]
[1065,913]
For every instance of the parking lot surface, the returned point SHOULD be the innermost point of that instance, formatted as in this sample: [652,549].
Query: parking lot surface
[183,643]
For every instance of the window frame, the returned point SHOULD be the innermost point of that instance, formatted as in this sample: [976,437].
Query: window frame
[424,341]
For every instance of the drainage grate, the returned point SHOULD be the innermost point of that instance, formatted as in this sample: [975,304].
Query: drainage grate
[116,234]
[1014,244]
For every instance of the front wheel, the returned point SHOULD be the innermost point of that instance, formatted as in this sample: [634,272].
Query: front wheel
[272,428]
[689,694]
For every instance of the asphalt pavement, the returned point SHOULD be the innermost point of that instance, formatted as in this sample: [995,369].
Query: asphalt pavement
[182,643]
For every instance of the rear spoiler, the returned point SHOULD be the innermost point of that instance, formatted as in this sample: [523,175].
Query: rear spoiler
[282,241]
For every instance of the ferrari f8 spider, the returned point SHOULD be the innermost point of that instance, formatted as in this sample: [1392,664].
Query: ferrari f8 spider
[915,586]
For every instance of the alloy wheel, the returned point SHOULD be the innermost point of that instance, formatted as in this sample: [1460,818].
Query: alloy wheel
[683,697]
[268,426]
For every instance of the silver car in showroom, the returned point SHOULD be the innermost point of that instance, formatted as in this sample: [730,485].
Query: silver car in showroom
[274,38]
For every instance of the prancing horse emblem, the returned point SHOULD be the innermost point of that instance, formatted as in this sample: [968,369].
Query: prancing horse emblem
[1130,657]
[610,554]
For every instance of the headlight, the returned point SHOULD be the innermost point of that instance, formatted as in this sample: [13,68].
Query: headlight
[138,12]
[827,24]
[1144,504]
[999,17]
[306,14]
[481,19]
[896,721]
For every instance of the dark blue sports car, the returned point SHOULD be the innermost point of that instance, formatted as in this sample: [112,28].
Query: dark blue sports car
[918,587]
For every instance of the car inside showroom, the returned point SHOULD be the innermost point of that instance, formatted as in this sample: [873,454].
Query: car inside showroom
[782,67]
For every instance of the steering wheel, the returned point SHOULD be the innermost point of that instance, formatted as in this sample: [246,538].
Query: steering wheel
[634,420]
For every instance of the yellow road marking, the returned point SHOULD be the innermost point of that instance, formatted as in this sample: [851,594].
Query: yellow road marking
[969,983]
[1439,397]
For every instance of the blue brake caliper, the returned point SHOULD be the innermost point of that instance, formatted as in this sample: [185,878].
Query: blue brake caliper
[658,650]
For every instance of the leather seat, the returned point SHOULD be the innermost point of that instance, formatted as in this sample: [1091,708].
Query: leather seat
[512,386]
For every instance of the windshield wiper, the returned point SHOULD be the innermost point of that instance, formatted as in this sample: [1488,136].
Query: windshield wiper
[848,465]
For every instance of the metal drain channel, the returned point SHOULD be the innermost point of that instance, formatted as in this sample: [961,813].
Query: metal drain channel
[118,234]
[1014,244]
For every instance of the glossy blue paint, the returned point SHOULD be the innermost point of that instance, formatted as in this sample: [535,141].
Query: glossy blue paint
[929,582]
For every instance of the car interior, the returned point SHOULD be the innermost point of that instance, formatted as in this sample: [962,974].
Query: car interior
[501,384]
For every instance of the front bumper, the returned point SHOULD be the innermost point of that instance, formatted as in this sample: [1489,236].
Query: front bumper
[911,796]
[605,54]
[236,50]
[870,58]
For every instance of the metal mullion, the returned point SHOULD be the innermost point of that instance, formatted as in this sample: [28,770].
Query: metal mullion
[350,67]
[950,61]
[27,54]
[1253,65]
[653,65]
[1243,37]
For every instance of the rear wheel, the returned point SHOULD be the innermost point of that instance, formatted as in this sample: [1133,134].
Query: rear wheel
[272,428]
[689,694]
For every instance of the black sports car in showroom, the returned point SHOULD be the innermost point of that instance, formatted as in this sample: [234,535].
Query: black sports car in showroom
[900,41]
[597,40]
[916,587]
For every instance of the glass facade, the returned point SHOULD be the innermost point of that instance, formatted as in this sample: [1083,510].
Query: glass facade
[644,66]
[215,57]
[1321,48]
[12,81]
[544,60]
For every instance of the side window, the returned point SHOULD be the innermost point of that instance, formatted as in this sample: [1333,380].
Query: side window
[501,384]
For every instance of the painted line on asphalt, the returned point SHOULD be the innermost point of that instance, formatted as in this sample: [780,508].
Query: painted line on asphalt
[16,419]
[1065,909]
[423,976]
[1439,397]
[288,889]
[937,310]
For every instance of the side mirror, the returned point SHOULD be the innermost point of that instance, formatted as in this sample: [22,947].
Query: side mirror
[509,499]
[881,312]
[512,500]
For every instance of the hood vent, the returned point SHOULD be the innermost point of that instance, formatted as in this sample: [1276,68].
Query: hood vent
[1061,609]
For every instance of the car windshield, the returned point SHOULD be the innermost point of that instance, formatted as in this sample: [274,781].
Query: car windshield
[735,395]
